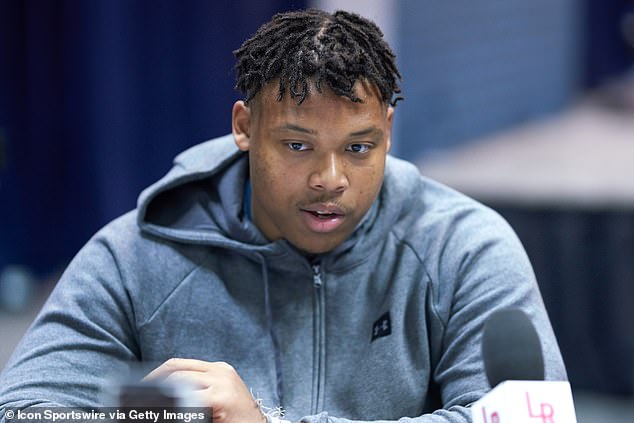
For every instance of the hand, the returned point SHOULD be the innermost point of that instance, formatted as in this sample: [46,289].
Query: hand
[219,385]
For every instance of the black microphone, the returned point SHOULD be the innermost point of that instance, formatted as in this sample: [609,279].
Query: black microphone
[510,348]
[514,366]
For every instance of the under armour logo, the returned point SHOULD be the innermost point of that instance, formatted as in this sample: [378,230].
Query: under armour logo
[381,327]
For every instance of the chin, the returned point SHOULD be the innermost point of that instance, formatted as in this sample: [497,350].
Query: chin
[314,251]
[317,248]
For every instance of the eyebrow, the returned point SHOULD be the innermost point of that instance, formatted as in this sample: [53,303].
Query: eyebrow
[373,130]
[291,127]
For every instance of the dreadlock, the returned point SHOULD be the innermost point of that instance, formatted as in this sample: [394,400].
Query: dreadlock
[311,45]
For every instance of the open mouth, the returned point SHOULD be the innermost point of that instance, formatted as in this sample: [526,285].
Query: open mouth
[323,218]
[323,215]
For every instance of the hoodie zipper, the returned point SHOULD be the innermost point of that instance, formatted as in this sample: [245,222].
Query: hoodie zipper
[319,329]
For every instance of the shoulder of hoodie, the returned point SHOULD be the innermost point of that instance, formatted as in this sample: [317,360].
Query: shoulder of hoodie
[460,244]
[440,223]
[136,252]
[137,267]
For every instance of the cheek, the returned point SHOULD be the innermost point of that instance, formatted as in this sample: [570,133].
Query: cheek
[271,177]
[368,179]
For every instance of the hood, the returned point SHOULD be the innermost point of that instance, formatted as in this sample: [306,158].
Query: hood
[200,201]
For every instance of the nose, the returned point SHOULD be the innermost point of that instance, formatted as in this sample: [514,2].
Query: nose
[330,175]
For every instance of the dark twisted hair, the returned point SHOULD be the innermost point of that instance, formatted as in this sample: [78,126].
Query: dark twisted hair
[312,45]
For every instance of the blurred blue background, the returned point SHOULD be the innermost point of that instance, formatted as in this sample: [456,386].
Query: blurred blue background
[96,98]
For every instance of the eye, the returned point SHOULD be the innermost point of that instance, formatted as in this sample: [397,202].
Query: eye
[297,146]
[359,148]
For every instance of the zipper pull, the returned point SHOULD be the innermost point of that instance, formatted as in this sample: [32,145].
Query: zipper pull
[316,276]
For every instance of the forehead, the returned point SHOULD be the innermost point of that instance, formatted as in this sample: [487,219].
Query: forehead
[319,105]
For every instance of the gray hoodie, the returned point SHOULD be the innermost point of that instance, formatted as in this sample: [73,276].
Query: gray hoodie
[385,327]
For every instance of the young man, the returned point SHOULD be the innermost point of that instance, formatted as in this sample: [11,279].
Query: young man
[292,259]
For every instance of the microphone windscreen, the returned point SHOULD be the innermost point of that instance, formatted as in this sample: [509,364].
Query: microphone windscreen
[510,348]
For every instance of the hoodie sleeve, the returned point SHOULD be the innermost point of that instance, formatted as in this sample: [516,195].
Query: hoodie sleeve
[83,334]
[456,415]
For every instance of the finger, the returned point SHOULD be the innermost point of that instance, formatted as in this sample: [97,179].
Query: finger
[198,380]
[158,373]
[176,364]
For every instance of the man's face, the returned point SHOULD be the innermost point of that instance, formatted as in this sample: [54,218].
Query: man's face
[315,168]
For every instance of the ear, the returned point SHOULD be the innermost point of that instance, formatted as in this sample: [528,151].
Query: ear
[390,117]
[241,125]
